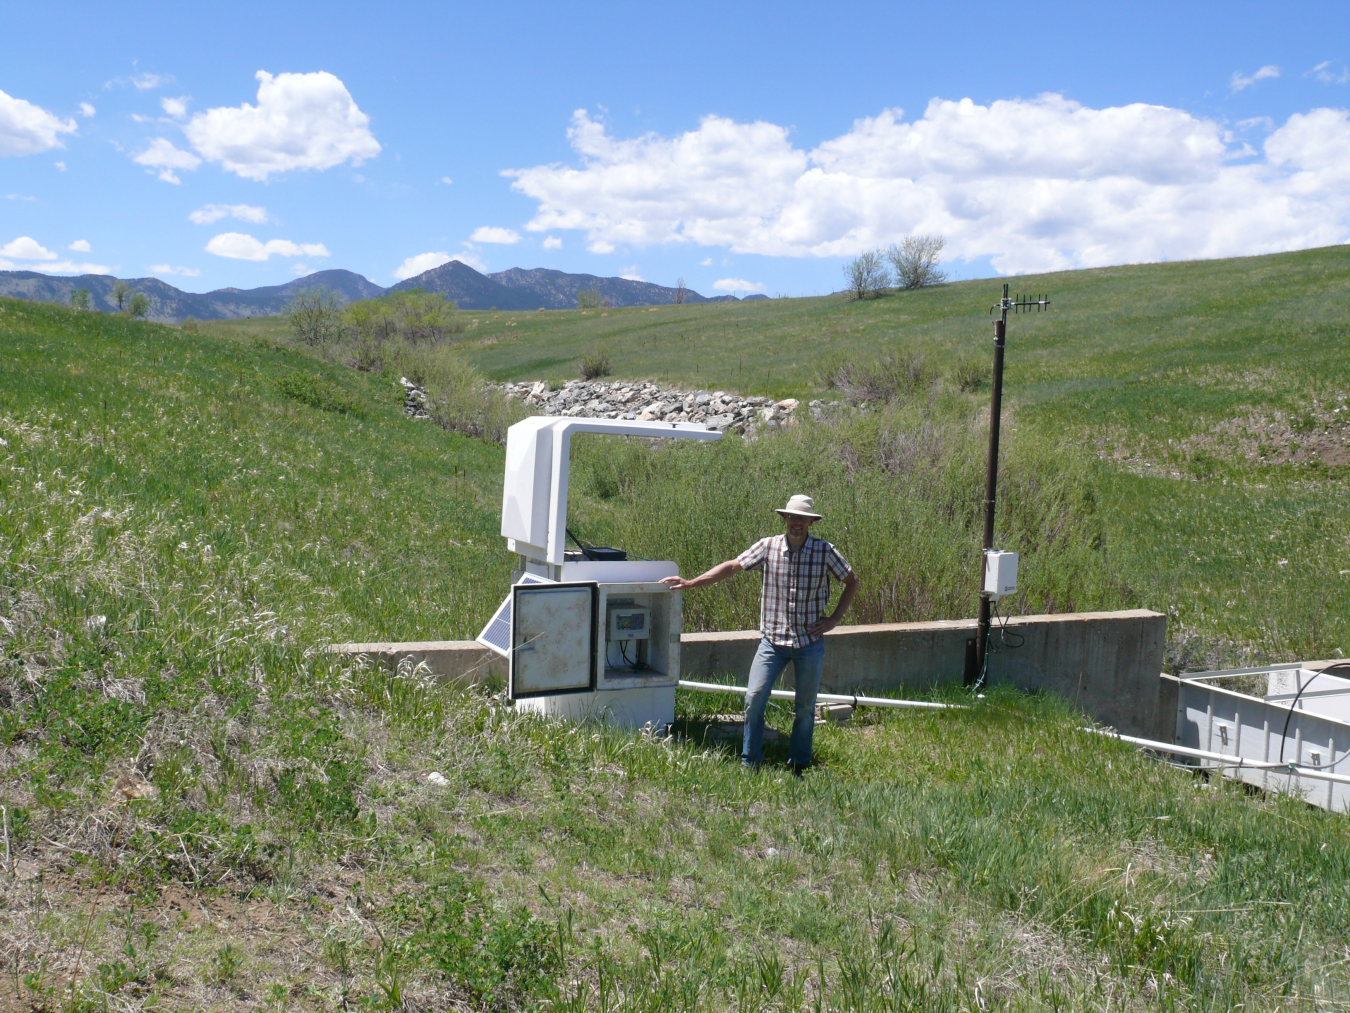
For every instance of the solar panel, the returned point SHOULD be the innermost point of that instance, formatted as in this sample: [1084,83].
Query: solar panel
[496,635]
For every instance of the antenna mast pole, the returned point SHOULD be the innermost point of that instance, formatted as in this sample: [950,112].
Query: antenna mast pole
[991,476]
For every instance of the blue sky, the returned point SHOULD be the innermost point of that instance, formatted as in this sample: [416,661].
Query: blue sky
[752,147]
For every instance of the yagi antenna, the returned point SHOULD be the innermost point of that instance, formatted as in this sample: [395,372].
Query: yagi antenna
[1020,303]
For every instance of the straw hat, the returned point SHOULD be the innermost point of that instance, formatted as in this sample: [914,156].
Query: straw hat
[800,506]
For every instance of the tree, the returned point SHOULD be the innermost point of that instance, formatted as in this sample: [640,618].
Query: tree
[915,261]
[588,299]
[79,298]
[315,316]
[138,305]
[424,316]
[121,293]
[867,275]
[681,291]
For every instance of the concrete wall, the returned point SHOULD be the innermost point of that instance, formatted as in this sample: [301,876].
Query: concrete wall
[465,661]
[1107,663]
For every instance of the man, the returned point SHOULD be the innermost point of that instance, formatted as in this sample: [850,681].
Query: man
[797,569]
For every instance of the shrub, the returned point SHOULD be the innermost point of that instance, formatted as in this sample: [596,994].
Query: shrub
[970,374]
[897,377]
[458,398]
[319,393]
[594,365]
[915,261]
[591,299]
[867,275]
[315,316]
[417,316]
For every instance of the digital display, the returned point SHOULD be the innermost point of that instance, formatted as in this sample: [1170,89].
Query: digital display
[629,621]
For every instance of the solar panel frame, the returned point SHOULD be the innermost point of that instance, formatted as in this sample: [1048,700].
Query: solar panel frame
[496,635]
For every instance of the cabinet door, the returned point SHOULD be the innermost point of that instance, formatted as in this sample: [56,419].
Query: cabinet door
[553,637]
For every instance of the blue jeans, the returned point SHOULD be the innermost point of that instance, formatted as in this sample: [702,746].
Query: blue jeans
[770,660]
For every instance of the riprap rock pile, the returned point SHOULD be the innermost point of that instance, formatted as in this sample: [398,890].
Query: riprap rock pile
[414,399]
[647,402]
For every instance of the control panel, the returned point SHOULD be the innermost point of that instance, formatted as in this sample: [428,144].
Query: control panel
[629,622]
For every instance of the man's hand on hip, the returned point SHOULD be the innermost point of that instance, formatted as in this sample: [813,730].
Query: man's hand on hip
[822,626]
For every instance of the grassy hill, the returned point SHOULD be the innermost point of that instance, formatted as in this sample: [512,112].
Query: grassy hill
[1210,397]
[205,812]
[1207,400]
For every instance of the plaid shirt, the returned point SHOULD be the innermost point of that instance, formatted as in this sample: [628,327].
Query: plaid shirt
[796,585]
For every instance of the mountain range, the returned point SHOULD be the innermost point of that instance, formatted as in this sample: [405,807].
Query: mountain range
[515,289]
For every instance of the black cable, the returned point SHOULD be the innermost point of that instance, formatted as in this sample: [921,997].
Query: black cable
[623,652]
[1285,733]
[989,648]
[1004,634]
[984,669]
[585,549]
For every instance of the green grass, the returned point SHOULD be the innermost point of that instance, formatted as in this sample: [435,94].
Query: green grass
[320,393]
[206,812]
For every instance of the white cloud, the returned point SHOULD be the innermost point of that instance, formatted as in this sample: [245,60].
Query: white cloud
[552,243]
[70,267]
[175,107]
[631,273]
[414,266]
[239,246]
[186,272]
[145,82]
[1033,185]
[706,262]
[79,246]
[26,129]
[162,155]
[208,213]
[87,110]
[492,234]
[446,180]
[1239,81]
[40,258]
[472,261]
[738,285]
[1327,74]
[301,121]
[26,248]
[60,166]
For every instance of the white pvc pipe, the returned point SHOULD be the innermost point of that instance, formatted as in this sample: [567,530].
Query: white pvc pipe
[1221,758]
[856,701]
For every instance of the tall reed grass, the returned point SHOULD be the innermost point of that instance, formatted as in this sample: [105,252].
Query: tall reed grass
[900,488]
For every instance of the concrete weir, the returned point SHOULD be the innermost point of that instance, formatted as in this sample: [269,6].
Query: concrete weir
[1107,663]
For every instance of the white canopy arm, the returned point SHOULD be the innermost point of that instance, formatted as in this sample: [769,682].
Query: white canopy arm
[538,462]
